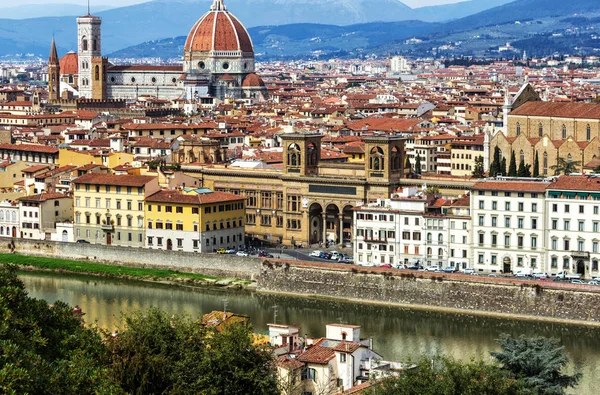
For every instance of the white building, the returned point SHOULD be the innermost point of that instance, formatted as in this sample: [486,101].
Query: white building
[398,64]
[508,225]
[39,214]
[9,218]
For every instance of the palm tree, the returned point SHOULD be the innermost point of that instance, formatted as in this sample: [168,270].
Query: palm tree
[565,166]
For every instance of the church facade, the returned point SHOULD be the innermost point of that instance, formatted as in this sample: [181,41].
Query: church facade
[218,61]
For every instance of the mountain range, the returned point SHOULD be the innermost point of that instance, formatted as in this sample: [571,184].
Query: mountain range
[158,19]
[28,11]
[338,28]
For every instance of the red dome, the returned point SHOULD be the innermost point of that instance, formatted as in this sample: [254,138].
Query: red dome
[253,81]
[218,30]
[69,64]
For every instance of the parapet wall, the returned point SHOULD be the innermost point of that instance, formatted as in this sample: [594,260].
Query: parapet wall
[209,264]
[460,292]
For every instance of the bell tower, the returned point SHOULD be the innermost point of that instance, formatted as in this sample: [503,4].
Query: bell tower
[301,153]
[384,158]
[53,74]
[89,40]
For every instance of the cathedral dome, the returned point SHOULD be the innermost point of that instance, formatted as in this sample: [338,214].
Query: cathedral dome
[218,30]
[253,81]
[69,64]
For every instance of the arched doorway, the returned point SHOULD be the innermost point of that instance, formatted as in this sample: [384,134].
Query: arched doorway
[506,262]
[108,238]
[14,232]
[65,236]
[333,223]
[316,223]
[169,244]
[581,268]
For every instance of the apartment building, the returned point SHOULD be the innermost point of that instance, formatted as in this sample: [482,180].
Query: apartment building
[39,214]
[109,209]
[194,220]
[508,221]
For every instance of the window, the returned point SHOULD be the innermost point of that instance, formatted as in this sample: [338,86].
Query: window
[580,245]
[494,240]
[534,223]
[518,129]
[494,222]
[507,206]
[555,208]
[129,205]
[540,130]
[506,241]
[554,244]
[481,204]
[595,227]
[581,209]
[554,262]
[567,225]
[554,224]
[494,205]
[179,210]
[595,246]
[481,220]
[480,259]
[564,132]
[566,244]
[520,223]
[520,209]
[596,210]
[533,242]
[168,209]
[567,208]
[581,225]
[179,226]
[534,207]
[566,263]
[588,132]
[520,241]
[309,374]
[481,239]
[507,222]
[494,259]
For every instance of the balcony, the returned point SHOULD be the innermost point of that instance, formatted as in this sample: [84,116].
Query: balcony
[107,227]
[580,255]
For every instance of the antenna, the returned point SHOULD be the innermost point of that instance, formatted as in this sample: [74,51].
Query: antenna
[275,310]
[225,303]
[89,13]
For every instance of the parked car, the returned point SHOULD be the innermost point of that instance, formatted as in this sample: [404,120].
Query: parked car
[335,256]
[221,251]
[577,282]
[386,266]
[432,268]
[415,267]
[325,255]
[346,259]
[540,275]
[593,282]
[568,276]
[316,253]
[449,269]
[524,273]
[230,251]
[468,270]
[81,241]
[241,253]
[401,266]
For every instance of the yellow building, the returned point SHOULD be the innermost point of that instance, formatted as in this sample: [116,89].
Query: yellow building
[109,209]
[11,172]
[194,220]
[82,158]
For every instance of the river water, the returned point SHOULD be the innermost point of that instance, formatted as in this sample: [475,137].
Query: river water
[397,333]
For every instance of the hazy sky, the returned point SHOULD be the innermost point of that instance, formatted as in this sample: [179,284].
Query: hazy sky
[10,3]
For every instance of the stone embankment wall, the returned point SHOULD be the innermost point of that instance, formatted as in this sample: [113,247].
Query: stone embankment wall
[469,293]
[245,268]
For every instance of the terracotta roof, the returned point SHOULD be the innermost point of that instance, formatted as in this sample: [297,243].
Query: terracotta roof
[511,186]
[218,30]
[169,196]
[253,81]
[29,148]
[576,183]
[289,363]
[110,179]
[345,346]
[69,63]
[559,110]
[317,354]
[35,169]
[43,197]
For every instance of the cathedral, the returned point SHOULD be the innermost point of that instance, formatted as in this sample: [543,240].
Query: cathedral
[218,61]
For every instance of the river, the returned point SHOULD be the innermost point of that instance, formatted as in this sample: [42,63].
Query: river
[397,333]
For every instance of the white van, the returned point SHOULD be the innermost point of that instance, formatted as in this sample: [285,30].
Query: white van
[523,273]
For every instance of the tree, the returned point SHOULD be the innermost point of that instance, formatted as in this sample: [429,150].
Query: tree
[446,376]
[538,362]
[495,165]
[503,167]
[565,166]
[536,165]
[524,170]
[155,353]
[407,164]
[478,171]
[45,349]
[418,164]
[512,168]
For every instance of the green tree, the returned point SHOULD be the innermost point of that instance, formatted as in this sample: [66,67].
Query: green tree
[478,171]
[159,354]
[512,168]
[418,164]
[565,166]
[495,165]
[536,165]
[502,169]
[45,350]
[538,362]
[446,376]
[407,164]
[524,170]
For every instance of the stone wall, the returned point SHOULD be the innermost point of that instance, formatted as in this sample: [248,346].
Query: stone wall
[246,268]
[469,293]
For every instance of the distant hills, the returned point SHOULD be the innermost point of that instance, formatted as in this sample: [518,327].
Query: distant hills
[279,28]
[28,11]
[127,26]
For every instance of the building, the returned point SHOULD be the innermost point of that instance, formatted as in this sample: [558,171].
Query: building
[109,209]
[9,219]
[509,221]
[32,154]
[218,61]
[306,201]
[39,214]
[464,150]
[573,224]
[194,220]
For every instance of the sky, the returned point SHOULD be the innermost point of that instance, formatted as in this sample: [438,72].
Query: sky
[11,3]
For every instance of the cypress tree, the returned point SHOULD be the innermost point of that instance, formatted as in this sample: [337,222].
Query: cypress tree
[512,168]
[536,165]
[522,172]
[418,164]
[503,167]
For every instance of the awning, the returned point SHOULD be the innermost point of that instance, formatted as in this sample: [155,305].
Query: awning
[583,195]
[554,194]
[569,194]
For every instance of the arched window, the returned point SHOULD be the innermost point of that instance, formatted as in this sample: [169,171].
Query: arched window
[564,132]
[1,215]
[84,44]
[518,129]
[97,73]
[440,238]
[588,132]
[312,155]
[569,158]
[377,161]
[540,130]
[440,253]
[429,237]
[522,157]
[94,45]
[545,164]
[294,155]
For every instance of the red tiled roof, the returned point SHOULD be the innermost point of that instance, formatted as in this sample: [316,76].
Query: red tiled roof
[317,354]
[110,179]
[559,110]
[168,196]
[29,148]
[576,183]
[43,197]
[511,186]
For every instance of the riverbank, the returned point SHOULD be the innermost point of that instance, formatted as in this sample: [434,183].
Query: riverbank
[57,265]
